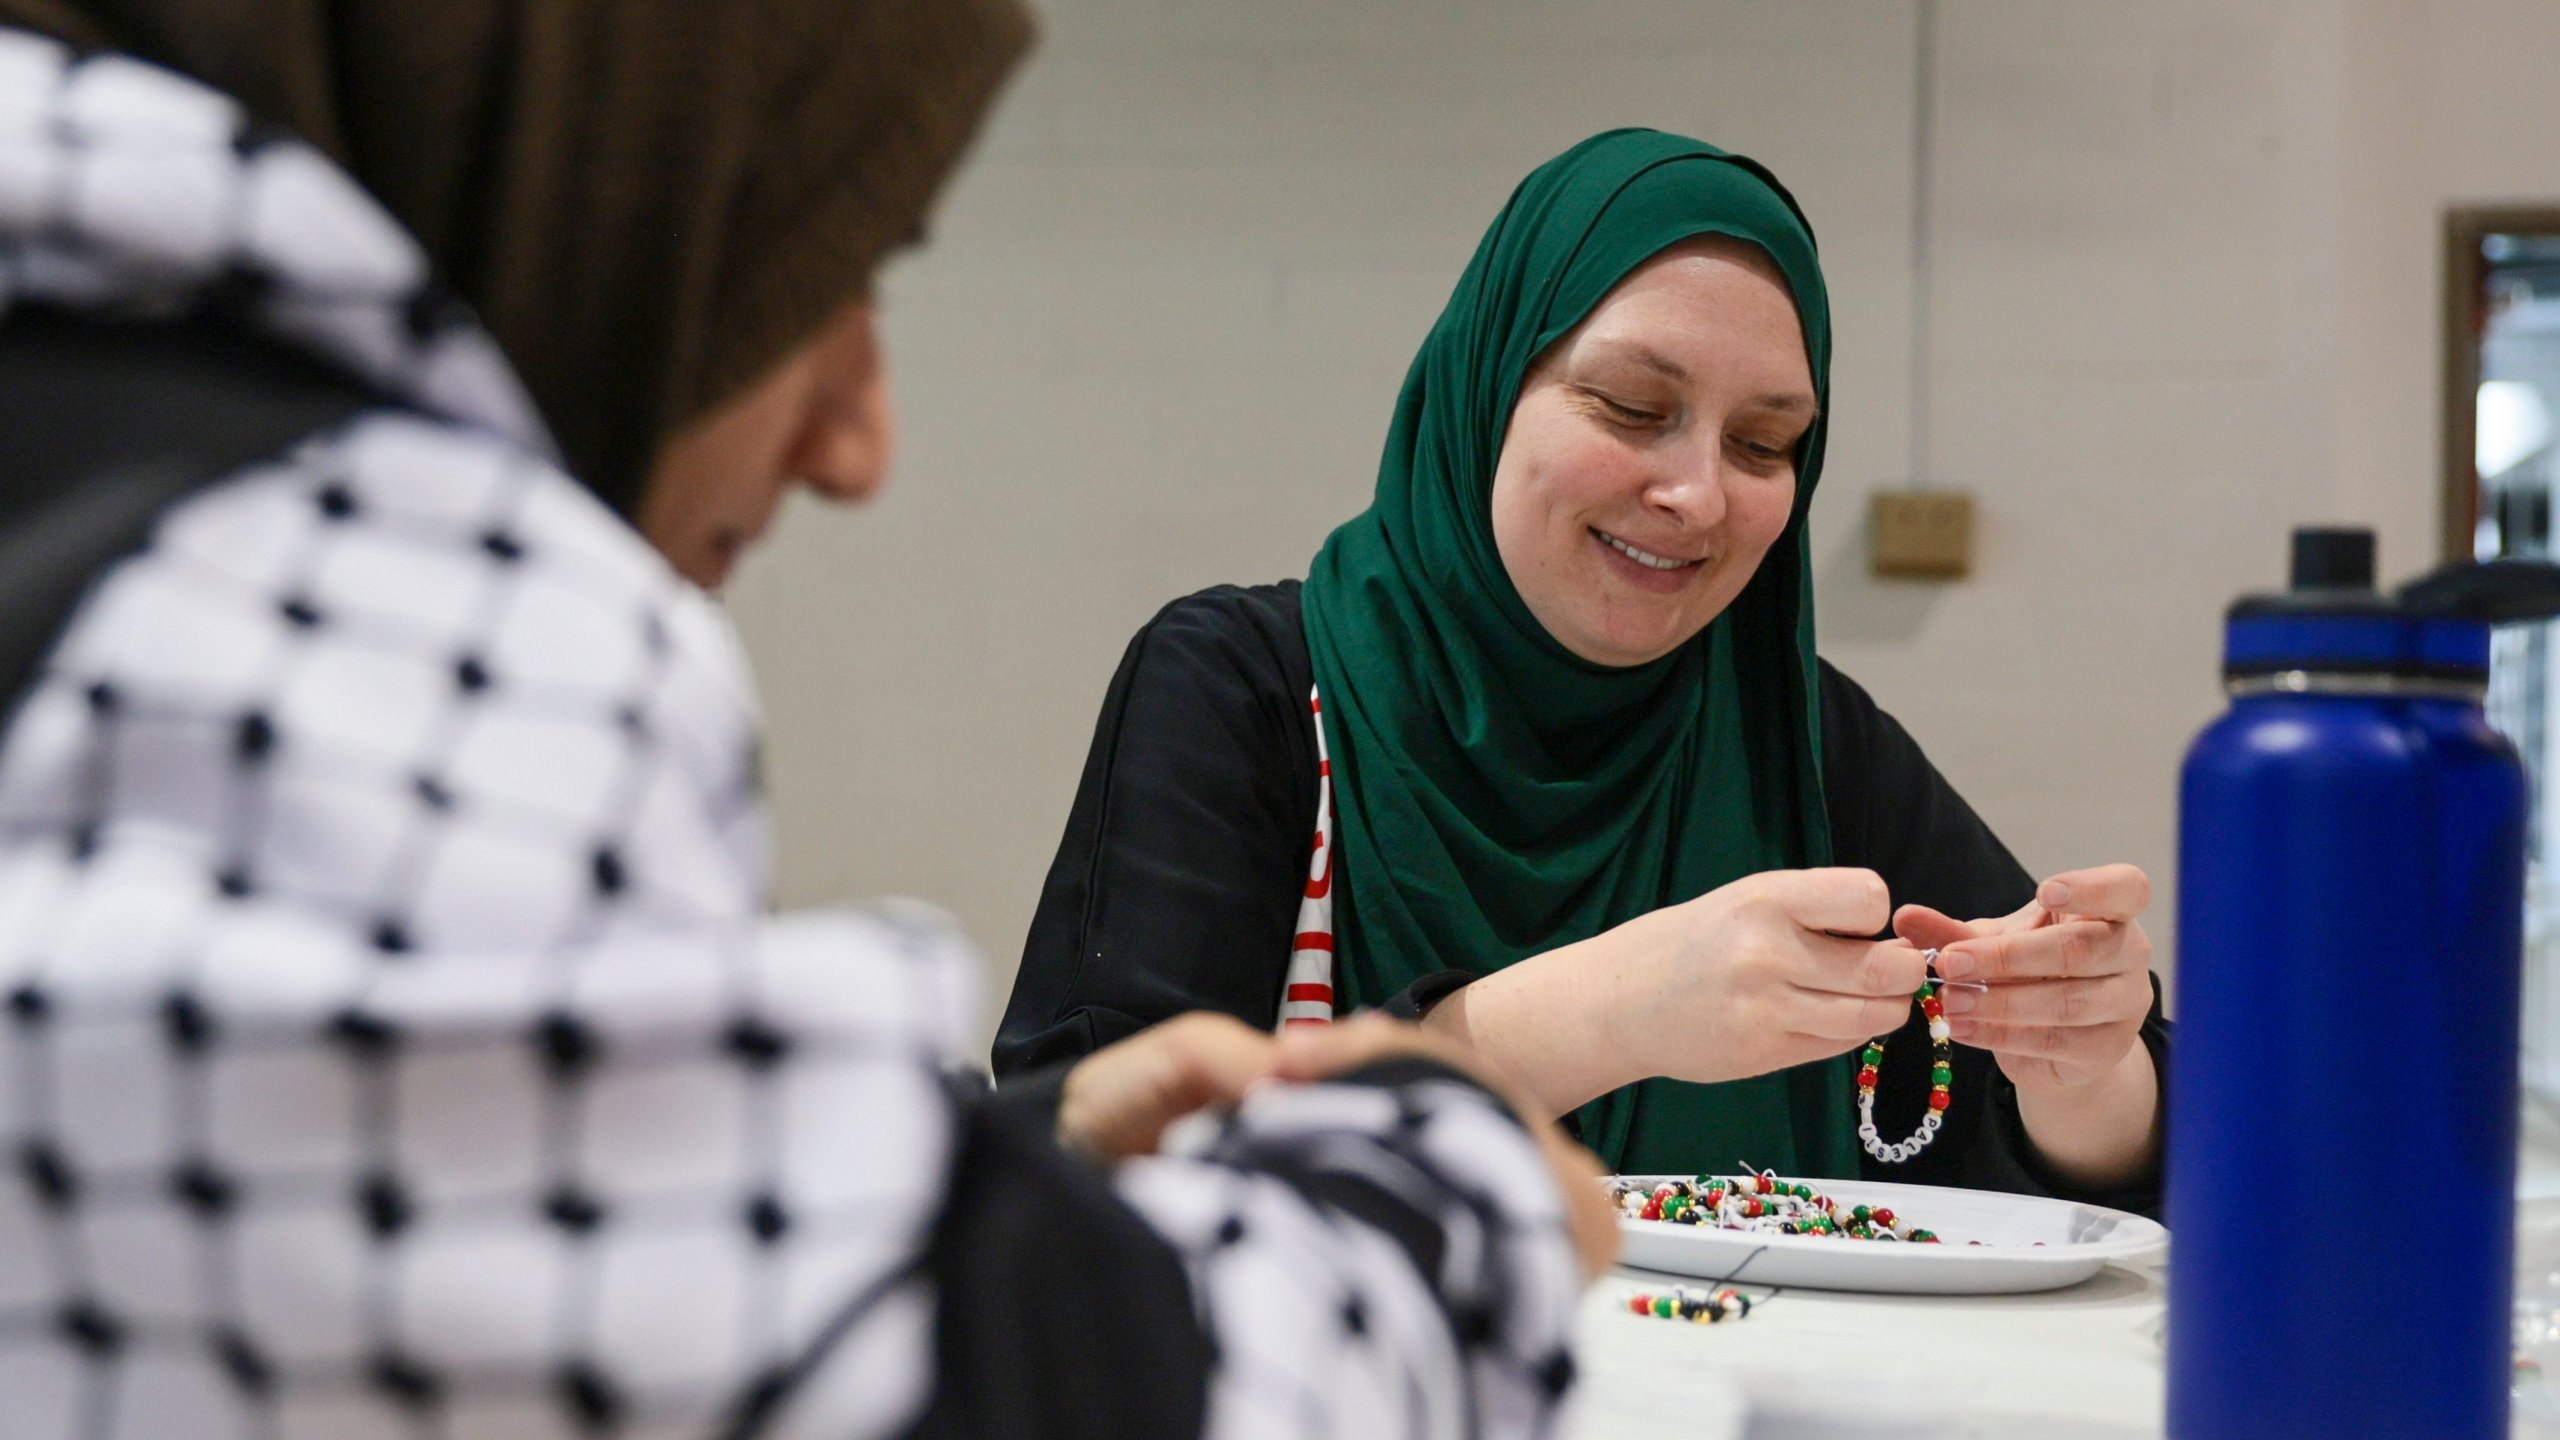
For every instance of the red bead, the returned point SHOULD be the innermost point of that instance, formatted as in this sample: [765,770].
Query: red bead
[1652,1209]
[1938,1099]
[1751,1207]
[1767,1184]
[1883,1216]
[1867,1078]
[1931,1008]
[1641,1304]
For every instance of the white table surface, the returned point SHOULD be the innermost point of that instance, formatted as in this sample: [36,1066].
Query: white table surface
[2079,1362]
[1813,1365]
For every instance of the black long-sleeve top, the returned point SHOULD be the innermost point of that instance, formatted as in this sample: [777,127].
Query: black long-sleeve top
[1176,886]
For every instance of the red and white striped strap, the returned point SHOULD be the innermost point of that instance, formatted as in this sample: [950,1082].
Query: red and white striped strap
[1306,996]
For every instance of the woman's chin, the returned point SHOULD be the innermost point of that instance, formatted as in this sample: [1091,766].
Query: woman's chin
[1614,642]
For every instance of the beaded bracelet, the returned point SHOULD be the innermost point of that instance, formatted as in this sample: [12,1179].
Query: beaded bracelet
[1941,1075]
[1764,1204]
[1699,1307]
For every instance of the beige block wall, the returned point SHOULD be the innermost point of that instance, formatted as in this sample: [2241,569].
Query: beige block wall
[2185,298]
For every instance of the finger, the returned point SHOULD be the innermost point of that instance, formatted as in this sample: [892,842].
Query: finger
[1219,1057]
[1320,1052]
[2074,949]
[1863,969]
[1588,1217]
[1324,1051]
[2076,1045]
[2109,892]
[1838,899]
[1841,1020]
[2070,1003]
[1931,929]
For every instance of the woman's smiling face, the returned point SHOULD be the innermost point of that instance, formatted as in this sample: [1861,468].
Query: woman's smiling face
[1651,459]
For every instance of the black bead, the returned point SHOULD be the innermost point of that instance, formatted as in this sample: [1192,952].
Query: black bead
[29,1006]
[568,1046]
[573,1210]
[408,1383]
[203,1189]
[755,1044]
[184,1022]
[386,1207]
[767,1219]
[103,698]
[49,1174]
[591,1398]
[95,1332]
[391,937]
[233,882]
[253,738]
[301,614]
[1355,1316]
[432,793]
[368,1037]
[1472,1324]
[608,872]
[470,675]
[1231,1230]
[502,546]
[243,1362]
[336,501]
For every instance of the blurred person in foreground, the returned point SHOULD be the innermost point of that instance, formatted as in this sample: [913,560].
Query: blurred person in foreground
[395,1041]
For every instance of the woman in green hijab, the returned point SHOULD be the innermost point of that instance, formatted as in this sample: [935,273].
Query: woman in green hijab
[1541,753]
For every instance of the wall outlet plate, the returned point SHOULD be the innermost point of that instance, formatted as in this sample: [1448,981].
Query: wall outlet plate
[1920,534]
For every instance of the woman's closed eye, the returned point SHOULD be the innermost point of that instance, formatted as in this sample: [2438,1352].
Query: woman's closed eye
[1627,413]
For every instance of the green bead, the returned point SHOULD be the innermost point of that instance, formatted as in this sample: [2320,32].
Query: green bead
[1942,1075]
[1662,1306]
[1861,1212]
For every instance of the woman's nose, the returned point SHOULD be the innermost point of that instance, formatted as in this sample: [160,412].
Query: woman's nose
[1691,493]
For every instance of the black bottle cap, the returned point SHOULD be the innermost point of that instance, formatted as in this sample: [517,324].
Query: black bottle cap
[2326,558]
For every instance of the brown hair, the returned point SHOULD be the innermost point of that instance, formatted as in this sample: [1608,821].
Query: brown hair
[649,202]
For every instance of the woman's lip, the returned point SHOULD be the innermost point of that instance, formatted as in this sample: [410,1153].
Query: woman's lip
[1643,576]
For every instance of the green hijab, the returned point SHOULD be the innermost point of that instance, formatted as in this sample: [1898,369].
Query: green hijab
[1496,795]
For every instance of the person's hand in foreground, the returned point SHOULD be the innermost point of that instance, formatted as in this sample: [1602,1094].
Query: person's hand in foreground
[2070,985]
[1117,1102]
[1319,1052]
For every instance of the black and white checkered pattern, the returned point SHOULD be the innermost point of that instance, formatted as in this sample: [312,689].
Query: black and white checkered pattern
[1318,1328]
[394,1041]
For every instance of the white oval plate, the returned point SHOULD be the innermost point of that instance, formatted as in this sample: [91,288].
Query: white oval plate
[2079,1241]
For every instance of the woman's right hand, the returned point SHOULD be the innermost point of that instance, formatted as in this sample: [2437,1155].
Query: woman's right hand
[1751,977]
[1757,975]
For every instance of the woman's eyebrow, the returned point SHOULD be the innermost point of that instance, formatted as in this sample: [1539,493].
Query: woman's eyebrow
[1661,364]
[1648,357]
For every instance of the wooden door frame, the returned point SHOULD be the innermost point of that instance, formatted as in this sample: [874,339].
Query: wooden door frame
[2464,227]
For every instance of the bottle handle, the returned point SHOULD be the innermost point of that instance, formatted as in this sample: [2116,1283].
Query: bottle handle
[2492,592]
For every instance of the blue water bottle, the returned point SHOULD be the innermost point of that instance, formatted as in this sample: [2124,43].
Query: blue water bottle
[2342,1115]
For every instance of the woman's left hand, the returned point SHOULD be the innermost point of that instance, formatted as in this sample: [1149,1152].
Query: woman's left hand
[2070,977]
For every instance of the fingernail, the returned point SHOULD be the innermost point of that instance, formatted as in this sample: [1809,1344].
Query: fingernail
[1961,1029]
[2054,895]
[1959,1002]
[1956,964]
